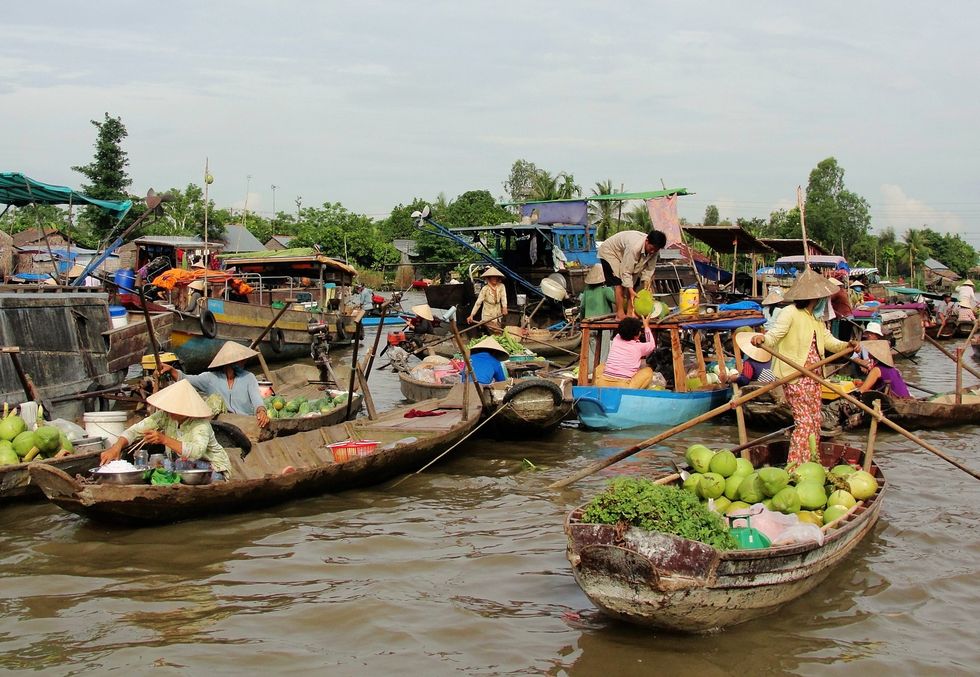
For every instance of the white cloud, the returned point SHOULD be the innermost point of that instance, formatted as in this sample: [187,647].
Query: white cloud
[901,212]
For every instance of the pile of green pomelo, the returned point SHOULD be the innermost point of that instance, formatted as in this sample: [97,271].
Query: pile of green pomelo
[278,407]
[20,445]
[809,491]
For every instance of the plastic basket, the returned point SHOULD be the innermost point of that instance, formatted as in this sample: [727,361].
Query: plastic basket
[351,449]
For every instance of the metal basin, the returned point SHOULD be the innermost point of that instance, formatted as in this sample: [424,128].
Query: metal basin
[196,476]
[128,477]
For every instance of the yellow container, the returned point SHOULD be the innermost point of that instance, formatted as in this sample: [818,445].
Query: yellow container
[829,395]
[690,299]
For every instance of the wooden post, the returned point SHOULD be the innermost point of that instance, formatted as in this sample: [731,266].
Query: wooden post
[755,276]
[699,356]
[469,368]
[743,435]
[959,376]
[377,340]
[738,354]
[368,400]
[597,358]
[680,375]
[869,451]
[583,356]
[720,354]
[152,338]
[353,368]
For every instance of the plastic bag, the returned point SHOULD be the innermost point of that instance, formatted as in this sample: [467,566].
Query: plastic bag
[769,522]
[802,532]
[72,432]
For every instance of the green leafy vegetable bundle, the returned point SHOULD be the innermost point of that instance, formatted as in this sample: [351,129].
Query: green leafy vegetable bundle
[641,503]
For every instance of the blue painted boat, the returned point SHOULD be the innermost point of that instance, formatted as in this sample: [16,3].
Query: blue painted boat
[390,320]
[618,408]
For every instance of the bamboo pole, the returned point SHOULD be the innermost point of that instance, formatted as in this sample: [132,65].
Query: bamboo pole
[353,369]
[878,415]
[948,354]
[869,451]
[469,368]
[640,446]
[743,435]
[377,340]
[959,376]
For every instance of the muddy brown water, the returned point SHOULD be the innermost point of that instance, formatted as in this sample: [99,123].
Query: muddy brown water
[461,570]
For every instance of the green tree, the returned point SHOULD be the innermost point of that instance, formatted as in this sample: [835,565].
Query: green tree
[33,216]
[344,234]
[835,216]
[711,217]
[474,208]
[603,213]
[914,249]
[519,184]
[639,218]
[106,173]
[399,223]
[951,250]
[183,214]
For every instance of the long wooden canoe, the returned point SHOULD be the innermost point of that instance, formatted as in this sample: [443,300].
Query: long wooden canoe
[934,412]
[534,406]
[664,581]
[15,479]
[279,469]
[292,382]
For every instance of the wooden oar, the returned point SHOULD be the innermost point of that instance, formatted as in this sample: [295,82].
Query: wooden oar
[353,368]
[640,446]
[152,339]
[879,416]
[948,354]
[377,339]
[918,387]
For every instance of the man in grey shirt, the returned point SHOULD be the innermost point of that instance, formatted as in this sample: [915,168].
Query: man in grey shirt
[628,259]
[228,378]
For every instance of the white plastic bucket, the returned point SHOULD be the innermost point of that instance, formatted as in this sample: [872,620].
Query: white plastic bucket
[118,316]
[107,424]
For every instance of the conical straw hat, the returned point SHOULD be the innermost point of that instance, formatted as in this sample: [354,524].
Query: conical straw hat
[880,350]
[744,341]
[774,297]
[423,311]
[968,282]
[595,275]
[492,272]
[834,281]
[181,399]
[490,343]
[808,286]
[231,353]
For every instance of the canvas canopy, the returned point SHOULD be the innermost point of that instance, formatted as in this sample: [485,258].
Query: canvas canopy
[723,238]
[19,190]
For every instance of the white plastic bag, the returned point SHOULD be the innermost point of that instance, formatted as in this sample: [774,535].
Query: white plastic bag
[72,431]
[802,532]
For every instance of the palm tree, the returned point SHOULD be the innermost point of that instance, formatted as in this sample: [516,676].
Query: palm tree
[567,189]
[916,248]
[602,212]
[544,186]
[639,218]
[888,254]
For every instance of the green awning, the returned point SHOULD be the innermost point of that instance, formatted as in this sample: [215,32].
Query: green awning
[19,190]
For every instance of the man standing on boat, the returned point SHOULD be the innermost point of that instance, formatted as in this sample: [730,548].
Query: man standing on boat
[629,258]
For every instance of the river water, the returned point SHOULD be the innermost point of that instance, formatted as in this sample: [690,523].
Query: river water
[462,570]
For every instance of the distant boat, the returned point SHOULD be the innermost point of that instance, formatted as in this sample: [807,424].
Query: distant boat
[604,408]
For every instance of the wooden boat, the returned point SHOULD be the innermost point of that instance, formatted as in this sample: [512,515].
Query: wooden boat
[536,406]
[296,380]
[944,329]
[933,412]
[976,348]
[389,320]
[15,479]
[128,344]
[963,328]
[541,342]
[279,469]
[903,325]
[605,408]
[663,581]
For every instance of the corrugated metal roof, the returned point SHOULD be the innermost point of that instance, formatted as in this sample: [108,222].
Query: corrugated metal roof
[238,238]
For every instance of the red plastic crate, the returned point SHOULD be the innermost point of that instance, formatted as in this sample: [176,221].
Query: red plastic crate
[350,449]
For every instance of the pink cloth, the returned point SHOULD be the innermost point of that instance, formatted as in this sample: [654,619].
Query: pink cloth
[663,215]
[626,357]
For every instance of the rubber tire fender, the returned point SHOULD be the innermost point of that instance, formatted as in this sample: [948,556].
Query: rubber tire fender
[209,325]
[528,384]
[277,340]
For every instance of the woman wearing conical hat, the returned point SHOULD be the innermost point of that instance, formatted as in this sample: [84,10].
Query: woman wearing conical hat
[492,298]
[182,424]
[800,334]
[228,379]
[882,374]
[486,358]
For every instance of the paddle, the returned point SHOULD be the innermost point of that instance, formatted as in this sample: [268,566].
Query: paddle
[950,356]
[353,368]
[640,446]
[877,415]
[152,339]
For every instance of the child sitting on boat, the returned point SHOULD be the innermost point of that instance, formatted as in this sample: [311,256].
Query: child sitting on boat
[626,367]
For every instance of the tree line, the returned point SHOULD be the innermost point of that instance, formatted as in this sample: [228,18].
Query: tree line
[836,217]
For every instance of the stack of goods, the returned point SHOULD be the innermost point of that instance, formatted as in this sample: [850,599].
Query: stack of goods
[436,369]
[278,406]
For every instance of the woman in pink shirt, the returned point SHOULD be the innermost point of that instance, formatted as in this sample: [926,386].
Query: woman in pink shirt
[625,366]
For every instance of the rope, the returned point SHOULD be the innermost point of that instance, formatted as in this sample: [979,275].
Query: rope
[465,437]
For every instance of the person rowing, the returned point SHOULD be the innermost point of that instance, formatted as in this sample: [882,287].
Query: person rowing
[228,380]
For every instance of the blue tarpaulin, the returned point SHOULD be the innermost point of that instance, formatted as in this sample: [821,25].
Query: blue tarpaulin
[710,272]
[740,305]
[726,325]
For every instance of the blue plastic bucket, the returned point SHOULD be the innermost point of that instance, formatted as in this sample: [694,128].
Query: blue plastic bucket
[125,279]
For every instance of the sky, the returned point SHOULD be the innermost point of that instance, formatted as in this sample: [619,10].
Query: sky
[372,104]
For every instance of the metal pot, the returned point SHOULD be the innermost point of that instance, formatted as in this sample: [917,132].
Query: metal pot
[195,476]
[127,477]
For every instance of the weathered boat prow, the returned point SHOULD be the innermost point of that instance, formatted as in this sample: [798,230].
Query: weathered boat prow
[663,581]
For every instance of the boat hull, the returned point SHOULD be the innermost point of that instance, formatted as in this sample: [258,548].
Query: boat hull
[662,581]
[277,470]
[603,408]
[15,480]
